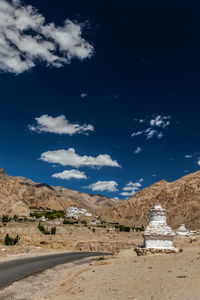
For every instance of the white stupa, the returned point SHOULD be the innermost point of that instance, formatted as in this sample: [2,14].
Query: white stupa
[158,235]
[43,219]
[182,231]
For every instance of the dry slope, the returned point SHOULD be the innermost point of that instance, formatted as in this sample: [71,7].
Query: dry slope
[181,198]
[17,194]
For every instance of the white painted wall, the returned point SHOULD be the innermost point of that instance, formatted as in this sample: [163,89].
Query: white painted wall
[157,243]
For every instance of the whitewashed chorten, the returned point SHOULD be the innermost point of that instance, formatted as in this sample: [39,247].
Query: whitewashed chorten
[182,231]
[158,235]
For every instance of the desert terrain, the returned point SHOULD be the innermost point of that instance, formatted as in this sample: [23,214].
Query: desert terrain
[123,276]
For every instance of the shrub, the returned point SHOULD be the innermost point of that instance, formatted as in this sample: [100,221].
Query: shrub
[51,215]
[45,231]
[6,219]
[16,218]
[53,230]
[69,222]
[123,228]
[11,241]
[93,230]
[139,228]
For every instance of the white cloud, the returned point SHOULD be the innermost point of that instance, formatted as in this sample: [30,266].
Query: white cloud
[138,150]
[198,162]
[70,158]
[156,123]
[83,95]
[160,135]
[131,188]
[149,132]
[26,39]
[69,174]
[139,120]
[188,156]
[160,121]
[59,125]
[137,133]
[110,186]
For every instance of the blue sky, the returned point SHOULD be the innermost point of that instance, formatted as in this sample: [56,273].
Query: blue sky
[116,88]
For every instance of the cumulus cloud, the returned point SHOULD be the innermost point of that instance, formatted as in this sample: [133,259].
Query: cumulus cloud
[25,38]
[69,174]
[70,158]
[138,150]
[131,188]
[83,95]
[154,126]
[160,121]
[59,125]
[149,132]
[110,186]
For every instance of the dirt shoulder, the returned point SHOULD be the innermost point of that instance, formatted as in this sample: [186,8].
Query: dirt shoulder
[125,276]
[152,277]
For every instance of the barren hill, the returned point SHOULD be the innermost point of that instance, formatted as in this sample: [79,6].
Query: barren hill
[181,198]
[17,194]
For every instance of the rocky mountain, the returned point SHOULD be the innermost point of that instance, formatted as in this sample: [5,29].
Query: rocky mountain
[181,198]
[17,194]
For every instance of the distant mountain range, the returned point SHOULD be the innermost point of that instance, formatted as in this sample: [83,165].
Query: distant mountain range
[181,198]
[17,194]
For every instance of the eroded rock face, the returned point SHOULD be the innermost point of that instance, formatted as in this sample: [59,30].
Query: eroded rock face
[180,198]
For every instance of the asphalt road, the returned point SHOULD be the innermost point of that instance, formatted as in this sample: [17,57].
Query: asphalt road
[18,269]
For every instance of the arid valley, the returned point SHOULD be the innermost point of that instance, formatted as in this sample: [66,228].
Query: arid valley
[124,275]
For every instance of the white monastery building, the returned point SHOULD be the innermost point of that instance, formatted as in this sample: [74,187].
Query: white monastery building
[75,212]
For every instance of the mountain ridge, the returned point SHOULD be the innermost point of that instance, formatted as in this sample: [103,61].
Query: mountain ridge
[181,198]
[17,194]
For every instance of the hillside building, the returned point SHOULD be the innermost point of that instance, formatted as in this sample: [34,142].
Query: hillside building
[75,212]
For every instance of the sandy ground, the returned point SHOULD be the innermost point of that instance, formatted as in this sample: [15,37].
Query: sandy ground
[125,276]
